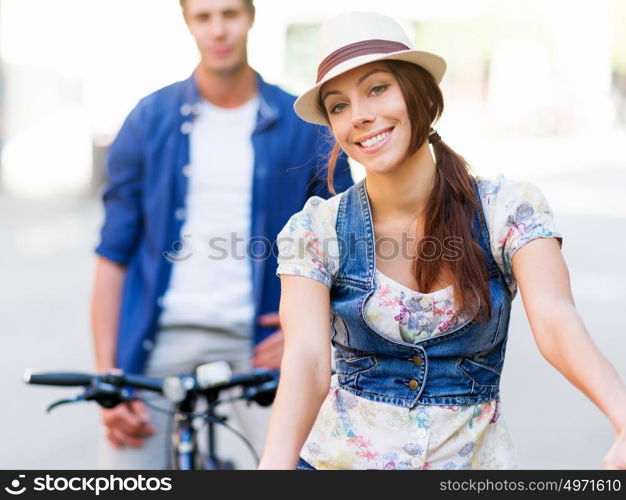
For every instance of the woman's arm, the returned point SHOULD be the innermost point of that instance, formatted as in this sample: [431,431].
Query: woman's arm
[561,336]
[304,370]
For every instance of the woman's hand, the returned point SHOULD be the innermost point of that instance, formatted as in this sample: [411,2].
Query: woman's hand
[616,457]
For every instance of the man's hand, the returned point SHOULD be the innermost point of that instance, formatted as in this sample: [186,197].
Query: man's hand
[269,352]
[127,424]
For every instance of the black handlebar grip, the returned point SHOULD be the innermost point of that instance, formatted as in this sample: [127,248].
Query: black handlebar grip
[143,382]
[257,377]
[58,378]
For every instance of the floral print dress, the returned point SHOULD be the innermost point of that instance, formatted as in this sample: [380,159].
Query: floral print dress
[351,432]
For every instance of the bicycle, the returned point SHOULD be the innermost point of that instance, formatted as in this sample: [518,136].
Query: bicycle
[183,391]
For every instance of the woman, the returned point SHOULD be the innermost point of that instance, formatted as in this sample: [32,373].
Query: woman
[418,263]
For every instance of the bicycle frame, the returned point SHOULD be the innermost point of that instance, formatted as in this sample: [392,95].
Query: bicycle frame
[186,453]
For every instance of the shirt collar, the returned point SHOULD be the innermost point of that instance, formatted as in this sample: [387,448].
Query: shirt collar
[269,111]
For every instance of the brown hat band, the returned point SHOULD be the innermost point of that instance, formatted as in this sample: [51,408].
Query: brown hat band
[356,49]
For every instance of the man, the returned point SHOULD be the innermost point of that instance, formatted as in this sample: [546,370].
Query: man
[198,167]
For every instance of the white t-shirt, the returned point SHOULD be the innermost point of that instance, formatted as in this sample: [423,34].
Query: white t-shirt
[212,287]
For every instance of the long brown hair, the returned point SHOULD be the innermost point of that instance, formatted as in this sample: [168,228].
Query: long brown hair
[452,203]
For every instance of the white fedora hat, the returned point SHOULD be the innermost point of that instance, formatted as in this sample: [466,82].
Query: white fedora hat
[356,38]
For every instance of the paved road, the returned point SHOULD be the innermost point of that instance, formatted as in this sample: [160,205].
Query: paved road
[46,268]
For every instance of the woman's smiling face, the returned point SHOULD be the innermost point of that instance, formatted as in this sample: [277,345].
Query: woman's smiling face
[368,116]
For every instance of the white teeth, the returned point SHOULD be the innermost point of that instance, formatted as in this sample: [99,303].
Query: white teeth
[375,140]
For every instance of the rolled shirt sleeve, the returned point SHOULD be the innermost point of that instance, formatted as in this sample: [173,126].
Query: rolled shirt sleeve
[122,195]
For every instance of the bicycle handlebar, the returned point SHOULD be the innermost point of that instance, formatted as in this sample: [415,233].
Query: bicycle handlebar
[70,379]
[245,379]
[212,378]
[77,379]
[135,381]
[209,379]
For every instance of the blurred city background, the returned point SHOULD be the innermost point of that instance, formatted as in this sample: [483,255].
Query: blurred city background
[535,90]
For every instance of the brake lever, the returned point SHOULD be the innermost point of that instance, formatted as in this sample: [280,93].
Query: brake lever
[65,401]
[107,395]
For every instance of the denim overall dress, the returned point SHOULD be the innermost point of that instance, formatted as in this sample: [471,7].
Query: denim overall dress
[460,367]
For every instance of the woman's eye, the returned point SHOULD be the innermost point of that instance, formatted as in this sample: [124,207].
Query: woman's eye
[378,89]
[337,108]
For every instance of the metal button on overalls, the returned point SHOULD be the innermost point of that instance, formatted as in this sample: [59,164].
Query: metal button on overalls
[413,384]
[417,360]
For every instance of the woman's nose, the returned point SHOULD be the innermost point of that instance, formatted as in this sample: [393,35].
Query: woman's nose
[361,114]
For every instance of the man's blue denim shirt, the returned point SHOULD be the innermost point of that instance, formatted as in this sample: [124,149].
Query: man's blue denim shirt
[144,201]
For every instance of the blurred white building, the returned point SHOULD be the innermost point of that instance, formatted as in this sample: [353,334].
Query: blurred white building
[518,70]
